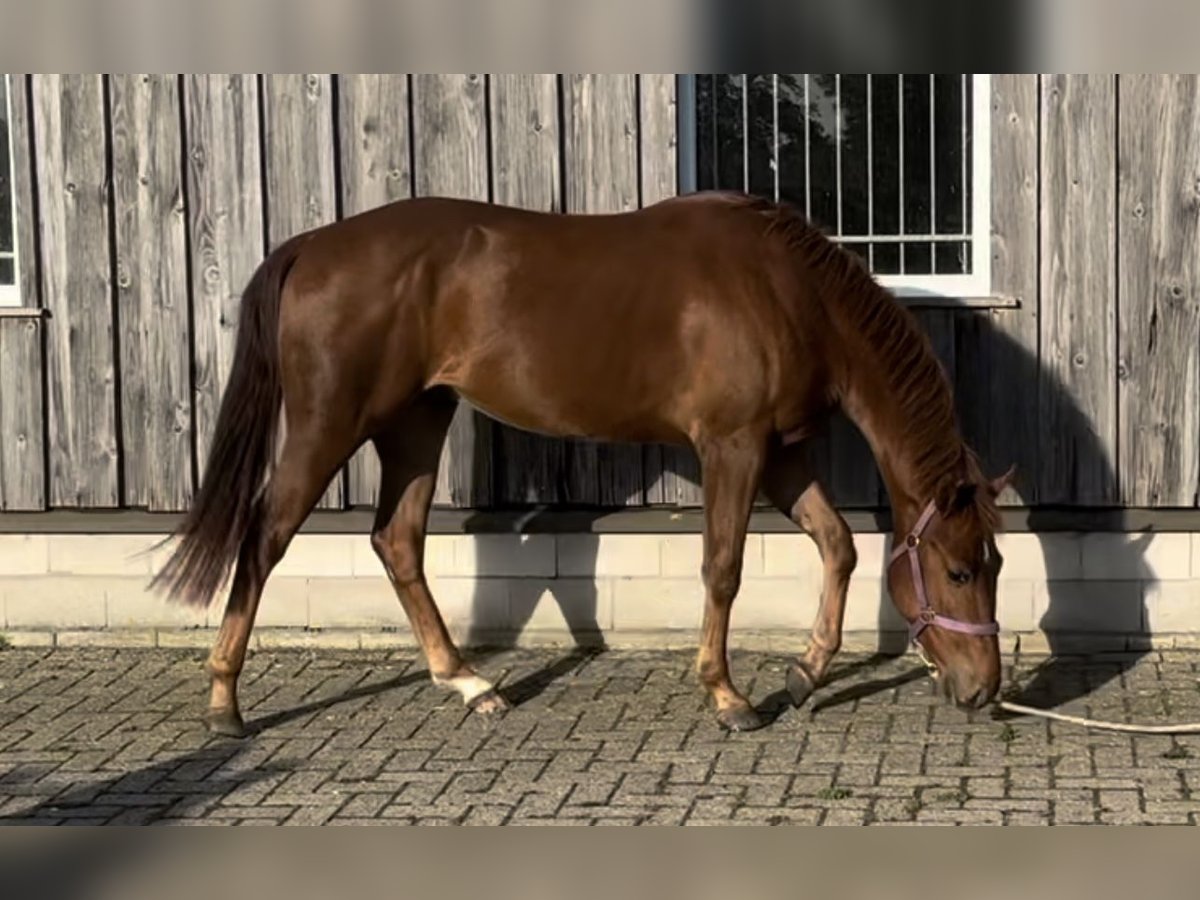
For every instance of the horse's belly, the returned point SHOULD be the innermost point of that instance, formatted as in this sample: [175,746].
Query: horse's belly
[552,417]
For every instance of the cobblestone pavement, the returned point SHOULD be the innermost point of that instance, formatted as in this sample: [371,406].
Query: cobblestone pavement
[622,737]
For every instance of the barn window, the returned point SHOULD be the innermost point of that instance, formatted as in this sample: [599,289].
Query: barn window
[894,167]
[9,292]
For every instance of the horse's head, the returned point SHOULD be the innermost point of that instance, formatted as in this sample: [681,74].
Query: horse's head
[942,578]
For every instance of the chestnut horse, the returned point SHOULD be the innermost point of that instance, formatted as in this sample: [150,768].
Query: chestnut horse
[715,320]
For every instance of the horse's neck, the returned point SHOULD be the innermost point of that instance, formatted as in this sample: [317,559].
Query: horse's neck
[871,405]
[890,385]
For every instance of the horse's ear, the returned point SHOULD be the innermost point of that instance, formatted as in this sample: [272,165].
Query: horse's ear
[956,498]
[997,485]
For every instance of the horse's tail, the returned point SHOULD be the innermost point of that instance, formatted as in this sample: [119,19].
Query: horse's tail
[223,510]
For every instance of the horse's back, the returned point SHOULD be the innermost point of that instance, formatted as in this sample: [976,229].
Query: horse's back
[620,326]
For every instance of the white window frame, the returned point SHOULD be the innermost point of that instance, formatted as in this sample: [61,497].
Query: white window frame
[976,285]
[10,294]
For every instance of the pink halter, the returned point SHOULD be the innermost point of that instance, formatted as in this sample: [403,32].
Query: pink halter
[926,615]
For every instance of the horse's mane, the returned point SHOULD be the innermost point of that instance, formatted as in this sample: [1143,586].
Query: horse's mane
[918,384]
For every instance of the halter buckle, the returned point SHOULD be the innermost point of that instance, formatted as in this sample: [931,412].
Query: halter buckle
[912,541]
[927,615]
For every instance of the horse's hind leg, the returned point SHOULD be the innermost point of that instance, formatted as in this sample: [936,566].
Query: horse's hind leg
[789,485]
[730,469]
[305,466]
[409,452]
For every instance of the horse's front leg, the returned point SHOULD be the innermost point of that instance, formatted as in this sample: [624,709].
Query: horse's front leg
[789,485]
[730,470]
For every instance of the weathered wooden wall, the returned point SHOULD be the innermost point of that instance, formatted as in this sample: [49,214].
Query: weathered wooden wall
[149,200]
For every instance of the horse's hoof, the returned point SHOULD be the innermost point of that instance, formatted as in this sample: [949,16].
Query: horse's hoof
[226,721]
[740,718]
[799,684]
[489,703]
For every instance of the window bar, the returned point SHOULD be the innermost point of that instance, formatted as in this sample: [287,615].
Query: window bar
[807,157]
[9,151]
[932,180]
[775,132]
[837,140]
[746,133]
[687,121]
[963,226]
[900,137]
[870,182]
[909,237]
[712,102]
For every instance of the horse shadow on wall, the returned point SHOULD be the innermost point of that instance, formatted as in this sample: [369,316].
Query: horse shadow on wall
[1078,618]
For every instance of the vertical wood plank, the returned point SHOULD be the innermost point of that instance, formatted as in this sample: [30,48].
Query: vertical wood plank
[672,474]
[24,161]
[22,402]
[658,137]
[1078,387]
[226,235]
[451,160]
[999,368]
[526,165]
[22,449]
[73,204]
[1159,289]
[601,122]
[374,140]
[301,183]
[152,291]
[527,172]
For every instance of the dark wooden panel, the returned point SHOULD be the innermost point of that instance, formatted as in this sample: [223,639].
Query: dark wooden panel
[527,172]
[1078,386]
[22,411]
[451,160]
[601,123]
[853,476]
[152,291]
[225,203]
[373,136]
[73,205]
[1159,289]
[301,187]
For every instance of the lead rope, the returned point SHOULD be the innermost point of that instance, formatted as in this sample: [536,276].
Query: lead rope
[1182,728]
[1128,728]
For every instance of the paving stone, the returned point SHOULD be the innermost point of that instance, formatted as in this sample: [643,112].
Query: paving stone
[102,735]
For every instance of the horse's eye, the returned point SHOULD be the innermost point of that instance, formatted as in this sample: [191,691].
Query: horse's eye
[959,576]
